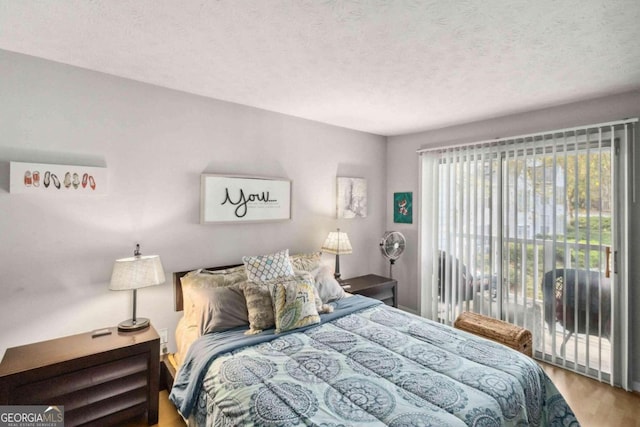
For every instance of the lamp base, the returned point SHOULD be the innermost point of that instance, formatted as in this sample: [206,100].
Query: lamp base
[129,325]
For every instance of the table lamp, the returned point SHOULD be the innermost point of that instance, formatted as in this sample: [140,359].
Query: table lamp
[132,274]
[337,243]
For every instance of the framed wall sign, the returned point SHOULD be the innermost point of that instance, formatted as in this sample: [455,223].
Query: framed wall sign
[42,178]
[229,198]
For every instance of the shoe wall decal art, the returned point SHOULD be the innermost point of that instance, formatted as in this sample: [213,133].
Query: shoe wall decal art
[57,179]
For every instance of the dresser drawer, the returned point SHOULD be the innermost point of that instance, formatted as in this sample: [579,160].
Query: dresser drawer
[108,411]
[83,384]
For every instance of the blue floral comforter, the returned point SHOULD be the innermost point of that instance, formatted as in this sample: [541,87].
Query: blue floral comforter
[366,364]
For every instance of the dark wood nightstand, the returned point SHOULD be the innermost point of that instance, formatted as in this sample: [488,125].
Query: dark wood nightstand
[374,286]
[167,373]
[101,380]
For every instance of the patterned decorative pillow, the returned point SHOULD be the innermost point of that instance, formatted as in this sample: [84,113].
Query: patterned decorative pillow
[203,279]
[259,307]
[306,262]
[294,305]
[264,268]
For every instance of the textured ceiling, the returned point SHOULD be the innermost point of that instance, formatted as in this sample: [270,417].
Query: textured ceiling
[382,66]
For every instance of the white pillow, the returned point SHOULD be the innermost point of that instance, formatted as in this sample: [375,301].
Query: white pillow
[328,287]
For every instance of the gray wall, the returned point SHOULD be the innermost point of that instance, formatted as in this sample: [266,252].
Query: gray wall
[57,251]
[403,175]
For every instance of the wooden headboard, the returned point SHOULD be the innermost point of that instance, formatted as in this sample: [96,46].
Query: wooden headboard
[177,284]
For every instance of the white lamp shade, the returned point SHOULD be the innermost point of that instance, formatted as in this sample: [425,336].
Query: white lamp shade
[337,243]
[136,272]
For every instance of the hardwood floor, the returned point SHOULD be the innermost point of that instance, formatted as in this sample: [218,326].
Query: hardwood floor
[168,415]
[595,404]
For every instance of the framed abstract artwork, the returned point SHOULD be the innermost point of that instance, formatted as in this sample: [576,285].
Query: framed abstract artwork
[403,208]
[230,198]
[352,197]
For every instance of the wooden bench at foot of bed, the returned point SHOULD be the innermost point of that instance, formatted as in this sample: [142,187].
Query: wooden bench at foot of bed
[516,337]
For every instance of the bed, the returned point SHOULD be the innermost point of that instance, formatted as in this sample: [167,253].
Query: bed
[361,363]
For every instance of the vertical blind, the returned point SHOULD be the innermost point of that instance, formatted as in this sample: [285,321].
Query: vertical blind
[525,229]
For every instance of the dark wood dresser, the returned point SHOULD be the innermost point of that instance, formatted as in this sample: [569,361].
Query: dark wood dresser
[374,286]
[101,380]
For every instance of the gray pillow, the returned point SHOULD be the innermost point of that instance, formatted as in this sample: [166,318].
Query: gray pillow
[195,281]
[220,309]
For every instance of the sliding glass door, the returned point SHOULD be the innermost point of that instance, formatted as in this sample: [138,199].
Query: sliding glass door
[526,230]
[558,221]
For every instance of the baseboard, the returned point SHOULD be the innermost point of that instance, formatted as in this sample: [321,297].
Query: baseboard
[408,310]
[635,385]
